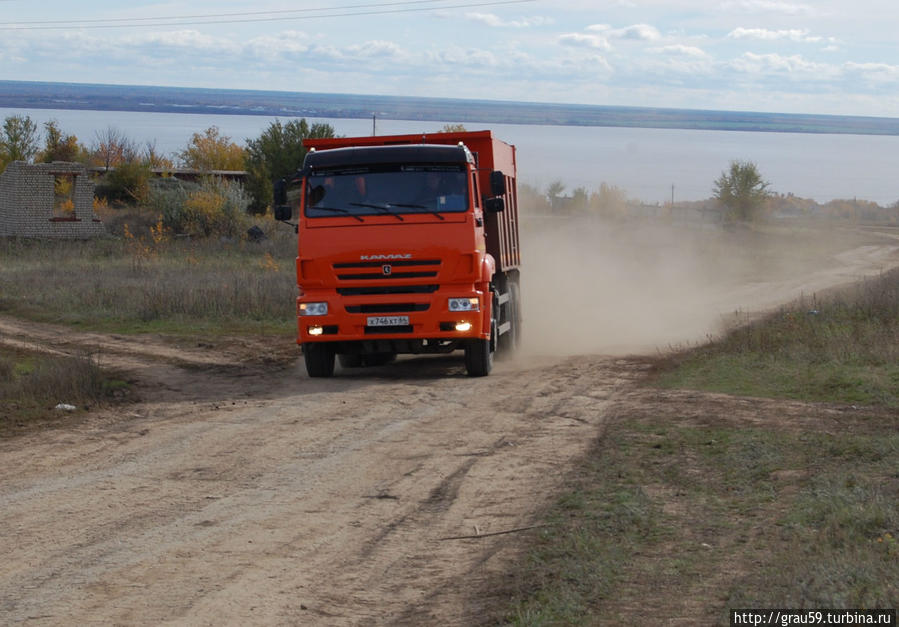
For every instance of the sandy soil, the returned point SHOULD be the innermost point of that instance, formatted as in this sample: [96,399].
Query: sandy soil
[239,491]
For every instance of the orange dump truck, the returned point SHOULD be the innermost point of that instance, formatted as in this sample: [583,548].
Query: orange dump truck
[407,244]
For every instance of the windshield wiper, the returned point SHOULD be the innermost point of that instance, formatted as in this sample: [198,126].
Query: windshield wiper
[381,208]
[339,210]
[407,206]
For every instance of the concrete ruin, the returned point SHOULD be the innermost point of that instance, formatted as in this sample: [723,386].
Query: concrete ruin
[48,200]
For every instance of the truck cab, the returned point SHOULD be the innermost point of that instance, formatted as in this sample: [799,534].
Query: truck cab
[402,249]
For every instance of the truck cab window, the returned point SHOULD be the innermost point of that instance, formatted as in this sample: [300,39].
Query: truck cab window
[398,190]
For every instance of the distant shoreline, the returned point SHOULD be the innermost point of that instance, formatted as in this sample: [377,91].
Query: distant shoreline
[96,97]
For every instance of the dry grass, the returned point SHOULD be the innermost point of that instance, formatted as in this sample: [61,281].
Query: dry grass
[32,385]
[841,348]
[149,280]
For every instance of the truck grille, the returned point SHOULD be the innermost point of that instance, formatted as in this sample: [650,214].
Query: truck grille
[382,276]
[387,289]
[399,263]
[388,270]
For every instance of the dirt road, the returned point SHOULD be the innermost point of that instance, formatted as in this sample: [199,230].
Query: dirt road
[242,492]
[286,500]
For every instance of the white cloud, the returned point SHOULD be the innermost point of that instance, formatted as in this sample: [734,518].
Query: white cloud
[874,72]
[371,49]
[497,22]
[682,51]
[638,32]
[288,43]
[793,65]
[794,34]
[468,57]
[769,6]
[186,39]
[581,40]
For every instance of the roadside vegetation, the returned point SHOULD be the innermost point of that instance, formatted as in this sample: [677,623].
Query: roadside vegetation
[149,281]
[840,348]
[691,504]
[197,257]
[39,388]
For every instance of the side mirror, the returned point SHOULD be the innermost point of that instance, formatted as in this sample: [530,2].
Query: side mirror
[495,205]
[280,192]
[497,183]
[283,213]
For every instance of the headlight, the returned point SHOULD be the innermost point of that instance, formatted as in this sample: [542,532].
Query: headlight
[312,309]
[464,304]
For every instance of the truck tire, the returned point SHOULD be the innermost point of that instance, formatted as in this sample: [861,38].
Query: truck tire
[479,355]
[319,359]
[515,293]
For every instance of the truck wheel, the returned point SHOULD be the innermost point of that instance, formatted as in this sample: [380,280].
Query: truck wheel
[509,341]
[479,355]
[319,359]
[515,293]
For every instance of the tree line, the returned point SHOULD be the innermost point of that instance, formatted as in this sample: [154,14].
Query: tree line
[739,195]
[276,153]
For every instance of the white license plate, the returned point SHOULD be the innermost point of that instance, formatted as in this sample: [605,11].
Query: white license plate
[387,321]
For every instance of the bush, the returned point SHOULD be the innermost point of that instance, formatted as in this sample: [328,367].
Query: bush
[216,207]
[128,183]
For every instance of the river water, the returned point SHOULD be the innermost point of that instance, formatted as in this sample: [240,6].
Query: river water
[650,164]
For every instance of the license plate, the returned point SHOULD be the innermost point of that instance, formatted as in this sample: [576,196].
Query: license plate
[387,321]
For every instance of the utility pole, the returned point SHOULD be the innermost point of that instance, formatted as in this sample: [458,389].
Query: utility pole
[374,127]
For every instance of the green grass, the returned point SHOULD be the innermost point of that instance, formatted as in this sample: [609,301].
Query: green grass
[842,349]
[837,540]
[134,285]
[579,558]
[771,518]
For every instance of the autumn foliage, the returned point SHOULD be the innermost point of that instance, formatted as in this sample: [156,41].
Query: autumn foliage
[210,150]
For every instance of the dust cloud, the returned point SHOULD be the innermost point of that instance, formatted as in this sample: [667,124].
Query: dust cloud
[594,287]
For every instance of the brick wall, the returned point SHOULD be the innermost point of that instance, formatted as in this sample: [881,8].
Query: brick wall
[27,200]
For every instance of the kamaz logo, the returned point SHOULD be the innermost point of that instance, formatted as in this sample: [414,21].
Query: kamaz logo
[383,257]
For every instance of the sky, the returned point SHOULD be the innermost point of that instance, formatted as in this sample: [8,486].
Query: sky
[791,56]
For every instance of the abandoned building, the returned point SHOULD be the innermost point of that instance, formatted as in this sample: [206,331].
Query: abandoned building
[52,200]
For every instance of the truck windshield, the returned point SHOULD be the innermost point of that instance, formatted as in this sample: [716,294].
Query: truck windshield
[395,190]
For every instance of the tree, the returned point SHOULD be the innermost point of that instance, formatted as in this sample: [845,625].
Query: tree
[212,151]
[113,148]
[58,146]
[741,191]
[18,141]
[153,159]
[554,193]
[128,183]
[579,199]
[609,202]
[277,153]
[452,128]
